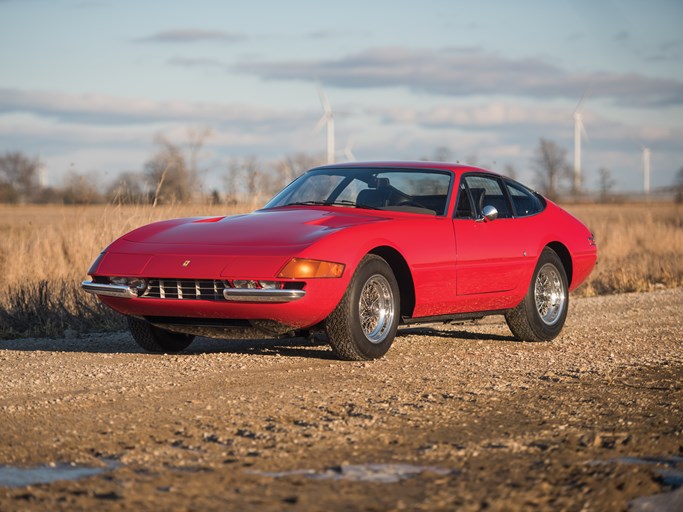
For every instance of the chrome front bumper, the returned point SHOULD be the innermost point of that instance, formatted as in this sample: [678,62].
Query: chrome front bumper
[230,294]
[261,295]
[110,290]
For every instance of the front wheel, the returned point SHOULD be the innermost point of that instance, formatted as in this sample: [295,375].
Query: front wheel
[155,339]
[541,314]
[364,323]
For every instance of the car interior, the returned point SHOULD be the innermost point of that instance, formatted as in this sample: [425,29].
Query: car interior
[387,197]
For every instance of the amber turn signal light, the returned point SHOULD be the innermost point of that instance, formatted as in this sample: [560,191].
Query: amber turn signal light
[304,269]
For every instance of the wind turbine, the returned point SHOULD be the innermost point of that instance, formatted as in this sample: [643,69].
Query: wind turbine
[42,176]
[646,171]
[348,154]
[579,131]
[328,117]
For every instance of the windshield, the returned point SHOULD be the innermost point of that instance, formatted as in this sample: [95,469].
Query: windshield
[416,191]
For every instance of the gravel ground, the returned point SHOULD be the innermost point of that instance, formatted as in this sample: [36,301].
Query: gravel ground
[454,417]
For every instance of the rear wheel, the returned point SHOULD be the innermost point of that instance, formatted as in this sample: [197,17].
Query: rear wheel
[155,339]
[542,313]
[364,323]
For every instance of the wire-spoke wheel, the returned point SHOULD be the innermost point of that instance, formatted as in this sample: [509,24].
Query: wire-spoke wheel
[550,294]
[541,314]
[364,323]
[376,308]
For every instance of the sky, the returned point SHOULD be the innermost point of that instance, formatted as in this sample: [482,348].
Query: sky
[89,85]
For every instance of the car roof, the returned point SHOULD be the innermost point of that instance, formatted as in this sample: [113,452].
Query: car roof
[407,164]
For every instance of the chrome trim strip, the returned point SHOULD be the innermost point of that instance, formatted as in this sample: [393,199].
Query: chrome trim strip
[111,290]
[261,295]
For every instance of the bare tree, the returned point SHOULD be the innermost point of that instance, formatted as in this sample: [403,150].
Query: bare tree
[173,175]
[251,172]
[442,154]
[81,189]
[550,165]
[605,183]
[169,175]
[19,180]
[510,171]
[292,166]
[243,180]
[196,140]
[232,181]
[129,188]
[7,193]
[249,180]
[472,160]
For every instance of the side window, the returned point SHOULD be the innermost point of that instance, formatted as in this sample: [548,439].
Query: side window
[524,200]
[487,190]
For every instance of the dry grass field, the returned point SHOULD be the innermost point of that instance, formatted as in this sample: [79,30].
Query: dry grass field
[46,250]
[640,246]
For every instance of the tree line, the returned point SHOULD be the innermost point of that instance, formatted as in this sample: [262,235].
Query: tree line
[173,175]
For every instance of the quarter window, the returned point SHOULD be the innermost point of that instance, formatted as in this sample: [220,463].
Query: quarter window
[524,200]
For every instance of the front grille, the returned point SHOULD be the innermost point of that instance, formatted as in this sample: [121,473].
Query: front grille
[183,289]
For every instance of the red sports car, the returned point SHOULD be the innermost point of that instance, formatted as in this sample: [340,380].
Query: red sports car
[354,250]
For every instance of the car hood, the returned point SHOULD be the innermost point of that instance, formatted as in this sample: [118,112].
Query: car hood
[281,227]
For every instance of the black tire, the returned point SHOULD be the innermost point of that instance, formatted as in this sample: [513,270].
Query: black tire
[155,339]
[542,313]
[364,323]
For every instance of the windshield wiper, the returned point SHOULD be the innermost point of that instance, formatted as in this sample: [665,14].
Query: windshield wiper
[343,202]
[346,202]
[307,203]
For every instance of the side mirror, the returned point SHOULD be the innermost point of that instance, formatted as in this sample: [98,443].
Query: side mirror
[488,214]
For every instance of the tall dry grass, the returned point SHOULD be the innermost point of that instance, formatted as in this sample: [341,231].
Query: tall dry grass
[45,252]
[640,246]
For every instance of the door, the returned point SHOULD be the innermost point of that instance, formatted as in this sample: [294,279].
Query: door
[490,255]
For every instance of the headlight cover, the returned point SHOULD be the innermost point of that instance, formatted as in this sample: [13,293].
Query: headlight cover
[139,284]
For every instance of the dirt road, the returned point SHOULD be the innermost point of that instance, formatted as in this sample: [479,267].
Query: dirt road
[454,417]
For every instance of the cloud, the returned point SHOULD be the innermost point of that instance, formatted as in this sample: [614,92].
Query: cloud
[522,124]
[486,116]
[192,35]
[193,62]
[469,72]
[109,110]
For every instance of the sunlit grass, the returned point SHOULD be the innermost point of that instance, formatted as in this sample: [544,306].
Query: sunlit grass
[45,252]
[640,247]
